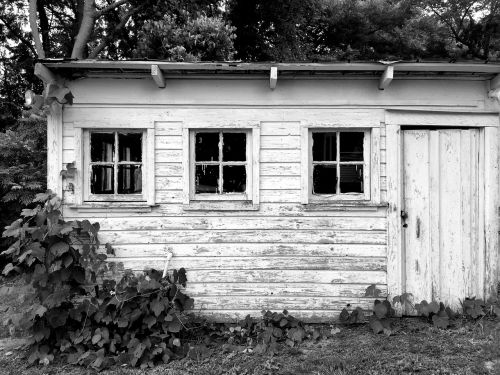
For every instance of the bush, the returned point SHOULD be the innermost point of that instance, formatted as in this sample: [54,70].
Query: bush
[82,313]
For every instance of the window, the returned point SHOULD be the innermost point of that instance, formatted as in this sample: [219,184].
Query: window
[220,165]
[114,165]
[339,164]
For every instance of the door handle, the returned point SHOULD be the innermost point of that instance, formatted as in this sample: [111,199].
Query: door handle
[404,216]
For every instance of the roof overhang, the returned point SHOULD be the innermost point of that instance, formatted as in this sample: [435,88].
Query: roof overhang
[385,71]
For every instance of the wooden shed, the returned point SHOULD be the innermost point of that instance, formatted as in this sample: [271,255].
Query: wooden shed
[287,186]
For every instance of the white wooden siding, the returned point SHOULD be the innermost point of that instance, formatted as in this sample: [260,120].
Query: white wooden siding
[280,256]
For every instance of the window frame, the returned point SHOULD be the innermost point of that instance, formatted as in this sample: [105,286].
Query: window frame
[371,165]
[82,194]
[225,201]
[366,166]
[88,196]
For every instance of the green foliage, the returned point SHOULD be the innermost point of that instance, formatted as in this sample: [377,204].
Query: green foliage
[81,315]
[23,169]
[190,39]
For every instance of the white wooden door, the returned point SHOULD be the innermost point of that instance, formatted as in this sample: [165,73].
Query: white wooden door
[443,244]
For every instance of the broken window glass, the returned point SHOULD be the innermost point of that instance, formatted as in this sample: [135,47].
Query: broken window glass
[129,179]
[130,147]
[235,179]
[102,179]
[207,179]
[324,146]
[102,147]
[351,178]
[325,179]
[351,146]
[207,146]
[234,147]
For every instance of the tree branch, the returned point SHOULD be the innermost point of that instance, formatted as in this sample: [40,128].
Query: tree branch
[18,35]
[34,29]
[117,28]
[106,9]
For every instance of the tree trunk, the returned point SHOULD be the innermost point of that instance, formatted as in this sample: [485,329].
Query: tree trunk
[34,29]
[85,32]
[44,26]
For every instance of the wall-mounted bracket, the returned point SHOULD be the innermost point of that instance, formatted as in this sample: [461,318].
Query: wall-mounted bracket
[273,77]
[157,75]
[386,78]
[494,92]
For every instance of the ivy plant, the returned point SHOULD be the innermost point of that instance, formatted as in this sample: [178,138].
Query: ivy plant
[83,313]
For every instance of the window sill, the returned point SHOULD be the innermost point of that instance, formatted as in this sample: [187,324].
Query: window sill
[221,206]
[344,206]
[125,207]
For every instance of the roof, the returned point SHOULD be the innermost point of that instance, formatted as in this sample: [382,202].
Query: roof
[79,68]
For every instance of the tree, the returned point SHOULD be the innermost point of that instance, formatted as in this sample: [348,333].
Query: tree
[473,26]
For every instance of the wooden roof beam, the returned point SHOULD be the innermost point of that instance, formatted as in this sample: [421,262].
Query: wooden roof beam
[386,78]
[273,77]
[44,73]
[157,75]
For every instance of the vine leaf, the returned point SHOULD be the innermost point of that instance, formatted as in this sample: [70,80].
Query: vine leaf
[373,291]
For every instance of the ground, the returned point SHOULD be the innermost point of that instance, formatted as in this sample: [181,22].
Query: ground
[415,348]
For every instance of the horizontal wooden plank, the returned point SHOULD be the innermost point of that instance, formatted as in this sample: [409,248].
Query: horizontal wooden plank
[168,142]
[233,316]
[251,250]
[279,303]
[280,276]
[239,236]
[244,222]
[175,208]
[280,182]
[168,156]
[279,156]
[168,183]
[258,263]
[280,196]
[279,169]
[68,129]
[280,128]
[68,142]
[280,141]
[280,289]
[168,128]
[169,197]
[68,156]
[168,169]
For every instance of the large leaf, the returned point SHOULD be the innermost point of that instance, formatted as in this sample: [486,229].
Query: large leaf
[59,248]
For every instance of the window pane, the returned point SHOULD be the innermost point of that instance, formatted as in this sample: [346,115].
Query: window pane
[324,146]
[351,178]
[130,147]
[102,179]
[325,179]
[235,147]
[129,179]
[351,146]
[234,179]
[207,179]
[102,146]
[207,146]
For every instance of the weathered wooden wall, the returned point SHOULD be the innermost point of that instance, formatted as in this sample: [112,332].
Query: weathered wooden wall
[281,256]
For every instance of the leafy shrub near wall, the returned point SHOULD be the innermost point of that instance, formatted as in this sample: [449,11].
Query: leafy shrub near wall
[81,314]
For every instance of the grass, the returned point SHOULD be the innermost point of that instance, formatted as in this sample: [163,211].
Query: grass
[415,348]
